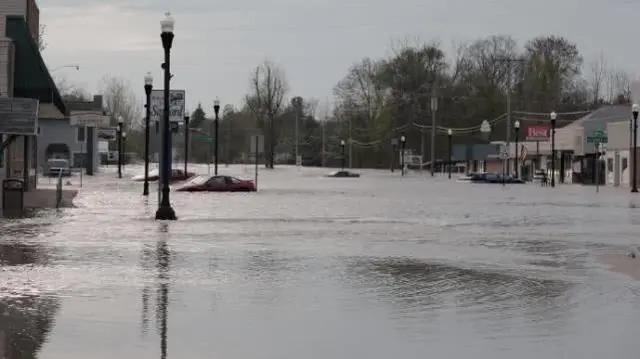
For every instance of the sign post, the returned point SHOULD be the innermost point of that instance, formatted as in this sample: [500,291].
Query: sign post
[598,138]
[257,147]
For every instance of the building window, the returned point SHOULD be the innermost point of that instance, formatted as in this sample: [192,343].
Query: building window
[610,165]
[625,164]
[81,134]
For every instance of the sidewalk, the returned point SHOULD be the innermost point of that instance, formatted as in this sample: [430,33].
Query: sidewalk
[46,198]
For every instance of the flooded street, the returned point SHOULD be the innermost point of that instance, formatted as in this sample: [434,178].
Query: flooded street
[314,267]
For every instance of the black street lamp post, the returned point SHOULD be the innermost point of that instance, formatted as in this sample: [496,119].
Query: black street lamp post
[216,110]
[124,149]
[634,149]
[343,153]
[517,129]
[148,86]
[554,117]
[403,144]
[120,125]
[165,211]
[186,145]
[450,134]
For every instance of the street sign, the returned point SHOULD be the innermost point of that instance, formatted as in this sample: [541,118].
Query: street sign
[259,141]
[18,116]
[598,136]
[538,133]
[88,119]
[107,134]
[176,105]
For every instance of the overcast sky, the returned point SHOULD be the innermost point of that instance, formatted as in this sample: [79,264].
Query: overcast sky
[315,41]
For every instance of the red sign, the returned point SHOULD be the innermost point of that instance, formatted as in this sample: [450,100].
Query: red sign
[538,132]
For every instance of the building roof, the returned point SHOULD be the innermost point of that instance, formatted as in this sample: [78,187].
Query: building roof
[31,76]
[609,113]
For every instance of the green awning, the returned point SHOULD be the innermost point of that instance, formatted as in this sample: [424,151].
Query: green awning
[31,76]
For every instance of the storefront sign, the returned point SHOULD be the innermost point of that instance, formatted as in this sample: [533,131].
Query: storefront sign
[88,119]
[176,105]
[538,133]
[107,134]
[18,116]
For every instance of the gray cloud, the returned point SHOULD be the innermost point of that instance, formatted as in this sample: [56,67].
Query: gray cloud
[218,42]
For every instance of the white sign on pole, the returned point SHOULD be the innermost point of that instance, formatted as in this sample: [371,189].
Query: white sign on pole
[88,119]
[19,116]
[176,105]
[259,142]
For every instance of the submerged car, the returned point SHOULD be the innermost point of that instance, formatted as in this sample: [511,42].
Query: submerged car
[217,184]
[56,167]
[495,178]
[343,174]
[176,175]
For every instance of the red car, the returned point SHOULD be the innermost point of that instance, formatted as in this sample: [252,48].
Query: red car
[217,184]
[177,175]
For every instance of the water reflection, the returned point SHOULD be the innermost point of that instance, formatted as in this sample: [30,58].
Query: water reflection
[158,259]
[417,289]
[25,319]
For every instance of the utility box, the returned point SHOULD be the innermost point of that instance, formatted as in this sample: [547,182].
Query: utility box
[12,198]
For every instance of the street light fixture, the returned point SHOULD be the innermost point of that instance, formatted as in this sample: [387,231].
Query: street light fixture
[165,211]
[450,134]
[148,87]
[216,110]
[554,117]
[342,143]
[403,143]
[636,109]
[120,125]
[516,126]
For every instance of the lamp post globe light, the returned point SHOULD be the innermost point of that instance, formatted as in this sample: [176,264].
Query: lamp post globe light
[216,110]
[516,126]
[636,110]
[450,135]
[554,117]
[120,125]
[148,87]
[165,211]
[403,144]
[485,130]
[342,143]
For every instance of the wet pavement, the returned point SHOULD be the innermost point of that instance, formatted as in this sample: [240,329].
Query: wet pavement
[313,267]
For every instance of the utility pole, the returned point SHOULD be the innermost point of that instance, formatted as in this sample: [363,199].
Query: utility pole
[323,124]
[434,109]
[350,144]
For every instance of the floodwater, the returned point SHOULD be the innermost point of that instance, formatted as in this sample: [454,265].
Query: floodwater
[313,267]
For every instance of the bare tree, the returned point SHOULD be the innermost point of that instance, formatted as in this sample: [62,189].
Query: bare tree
[42,43]
[598,72]
[120,100]
[71,92]
[265,100]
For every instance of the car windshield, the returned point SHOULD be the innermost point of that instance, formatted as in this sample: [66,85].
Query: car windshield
[198,180]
